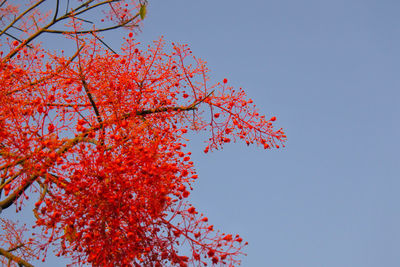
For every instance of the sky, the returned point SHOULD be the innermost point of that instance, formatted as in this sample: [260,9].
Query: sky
[329,72]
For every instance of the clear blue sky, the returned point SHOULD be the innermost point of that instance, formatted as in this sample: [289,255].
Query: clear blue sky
[330,72]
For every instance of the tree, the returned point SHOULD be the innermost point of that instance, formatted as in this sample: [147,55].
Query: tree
[97,140]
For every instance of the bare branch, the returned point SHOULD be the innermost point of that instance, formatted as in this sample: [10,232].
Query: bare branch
[192,106]
[16,247]
[17,259]
[14,27]
[2,3]
[89,95]
[15,38]
[85,20]
[164,109]
[104,43]
[66,9]
[56,13]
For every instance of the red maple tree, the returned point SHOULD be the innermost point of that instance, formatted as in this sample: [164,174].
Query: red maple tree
[97,140]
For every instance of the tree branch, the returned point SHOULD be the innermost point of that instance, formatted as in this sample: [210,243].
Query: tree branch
[16,247]
[89,95]
[95,30]
[56,13]
[9,180]
[15,258]
[192,106]
[20,16]
[106,45]
[164,109]
[2,3]
[17,193]
[15,38]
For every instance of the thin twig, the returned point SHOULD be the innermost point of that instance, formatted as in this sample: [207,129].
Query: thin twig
[16,247]
[66,9]
[104,43]
[15,38]
[90,96]
[85,20]
[56,13]
[14,27]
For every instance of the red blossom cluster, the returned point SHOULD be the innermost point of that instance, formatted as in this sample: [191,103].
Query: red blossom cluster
[99,140]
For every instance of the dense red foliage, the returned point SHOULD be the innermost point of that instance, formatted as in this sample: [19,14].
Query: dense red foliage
[98,141]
